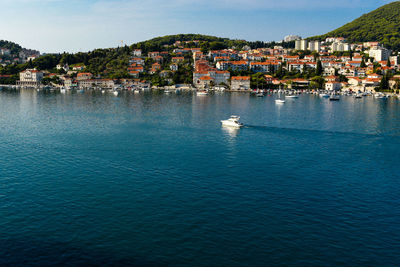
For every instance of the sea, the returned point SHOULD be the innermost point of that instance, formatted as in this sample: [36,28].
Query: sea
[153,179]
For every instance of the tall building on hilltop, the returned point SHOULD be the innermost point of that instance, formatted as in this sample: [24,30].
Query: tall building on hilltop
[380,53]
[314,46]
[290,38]
[301,44]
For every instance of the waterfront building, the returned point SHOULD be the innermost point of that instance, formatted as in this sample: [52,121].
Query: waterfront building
[84,76]
[333,86]
[240,83]
[217,76]
[30,78]
[103,83]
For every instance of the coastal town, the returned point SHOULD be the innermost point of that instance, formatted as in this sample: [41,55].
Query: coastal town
[331,65]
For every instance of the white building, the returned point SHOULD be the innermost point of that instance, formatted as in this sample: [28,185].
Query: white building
[290,38]
[301,44]
[314,46]
[380,53]
[216,76]
[338,46]
[333,86]
[30,78]
[137,52]
[240,83]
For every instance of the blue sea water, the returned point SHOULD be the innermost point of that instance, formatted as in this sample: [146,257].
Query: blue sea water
[154,180]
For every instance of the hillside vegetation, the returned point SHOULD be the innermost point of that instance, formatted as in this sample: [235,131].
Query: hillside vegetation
[382,24]
[113,62]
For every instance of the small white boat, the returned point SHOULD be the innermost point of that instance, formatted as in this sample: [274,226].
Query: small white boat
[115,93]
[167,91]
[103,91]
[62,91]
[137,91]
[202,93]
[334,97]
[324,95]
[279,101]
[291,96]
[233,121]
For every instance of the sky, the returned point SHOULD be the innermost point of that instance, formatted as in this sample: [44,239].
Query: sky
[56,26]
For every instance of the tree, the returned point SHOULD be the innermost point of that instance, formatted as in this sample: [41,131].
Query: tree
[318,81]
[363,65]
[318,70]
[384,84]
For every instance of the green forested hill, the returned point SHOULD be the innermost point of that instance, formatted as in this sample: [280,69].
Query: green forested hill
[382,24]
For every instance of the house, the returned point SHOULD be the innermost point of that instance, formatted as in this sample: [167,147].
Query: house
[137,53]
[330,71]
[164,73]
[300,83]
[155,67]
[240,83]
[61,67]
[134,73]
[158,59]
[354,81]
[205,82]
[153,54]
[174,67]
[332,79]
[269,79]
[177,60]
[267,66]
[30,78]
[234,65]
[137,60]
[103,83]
[333,86]
[84,76]
[218,77]
[78,67]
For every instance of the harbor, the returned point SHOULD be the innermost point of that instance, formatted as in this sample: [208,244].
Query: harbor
[111,179]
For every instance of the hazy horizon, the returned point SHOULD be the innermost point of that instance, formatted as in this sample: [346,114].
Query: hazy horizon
[55,26]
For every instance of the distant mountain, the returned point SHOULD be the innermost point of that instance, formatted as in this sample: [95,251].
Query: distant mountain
[382,24]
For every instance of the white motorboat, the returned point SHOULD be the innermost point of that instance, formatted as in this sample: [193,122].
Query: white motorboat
[279,101]
[137,91]
[233,121]
[291,96]
[324,95]
[115,93]
[202,93]
[62,90]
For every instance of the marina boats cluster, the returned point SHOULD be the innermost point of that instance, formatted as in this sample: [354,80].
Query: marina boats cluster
[283,95]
